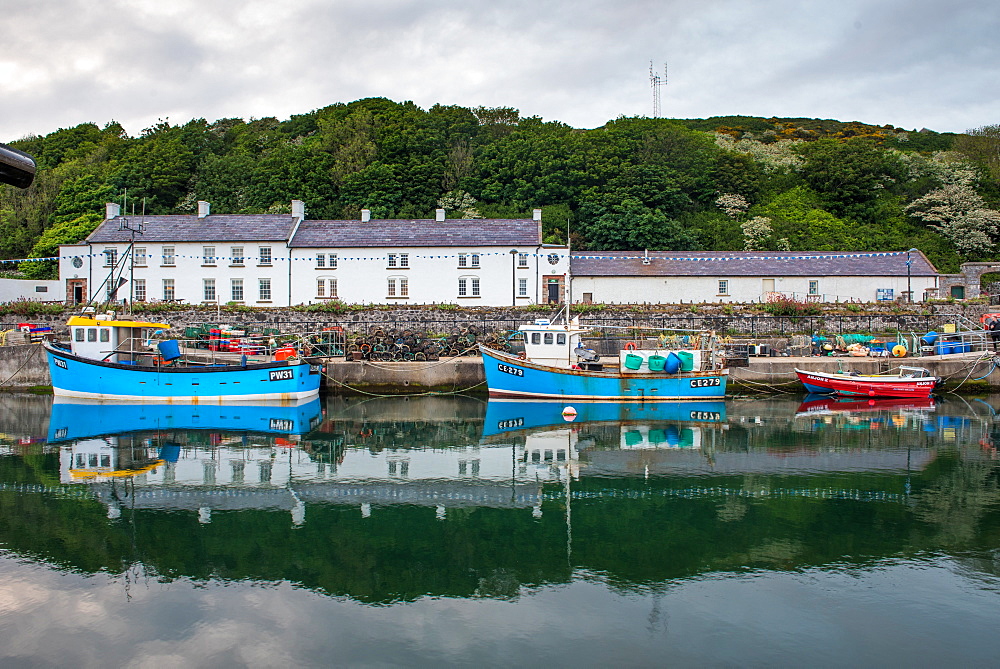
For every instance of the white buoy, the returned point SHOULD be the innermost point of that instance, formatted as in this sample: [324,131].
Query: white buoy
[569,414]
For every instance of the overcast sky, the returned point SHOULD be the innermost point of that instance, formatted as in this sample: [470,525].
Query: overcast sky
[911,63]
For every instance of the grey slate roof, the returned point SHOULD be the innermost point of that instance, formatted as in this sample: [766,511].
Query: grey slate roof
[395,232]
[212,228]
[740,263]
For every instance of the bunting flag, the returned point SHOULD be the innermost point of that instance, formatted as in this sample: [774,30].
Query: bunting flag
[559,256]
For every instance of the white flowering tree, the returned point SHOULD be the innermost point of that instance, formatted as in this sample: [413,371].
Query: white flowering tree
[960,215]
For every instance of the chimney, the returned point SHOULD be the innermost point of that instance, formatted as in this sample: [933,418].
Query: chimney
[536,214]
[112,209]
[366,215]
[204,209]
[298,210]
[439,214]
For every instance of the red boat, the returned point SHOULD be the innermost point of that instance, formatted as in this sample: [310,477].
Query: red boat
[910,382]
[813,406]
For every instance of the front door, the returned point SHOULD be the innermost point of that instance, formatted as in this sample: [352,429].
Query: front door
[76,291]
[553,296]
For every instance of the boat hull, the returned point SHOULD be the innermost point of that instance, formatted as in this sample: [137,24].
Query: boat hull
[866,386]
[508,376]
[75,376]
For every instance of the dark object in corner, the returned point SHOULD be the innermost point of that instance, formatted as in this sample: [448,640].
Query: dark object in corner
[17,168]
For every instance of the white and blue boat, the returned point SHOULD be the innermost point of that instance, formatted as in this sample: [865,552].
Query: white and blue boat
[109,358]
[556,364]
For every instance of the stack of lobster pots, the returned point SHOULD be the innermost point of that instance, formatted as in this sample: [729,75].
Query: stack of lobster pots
[399,345]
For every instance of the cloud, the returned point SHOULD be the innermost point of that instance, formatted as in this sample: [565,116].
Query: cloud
[912,64]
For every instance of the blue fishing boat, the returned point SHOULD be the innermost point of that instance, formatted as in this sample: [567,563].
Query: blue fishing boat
[74,418]
[506,415]
[114,359]
[556,364]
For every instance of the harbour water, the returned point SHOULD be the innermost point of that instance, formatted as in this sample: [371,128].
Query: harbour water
[451,531]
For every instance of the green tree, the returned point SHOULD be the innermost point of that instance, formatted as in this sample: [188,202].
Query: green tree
[633,226]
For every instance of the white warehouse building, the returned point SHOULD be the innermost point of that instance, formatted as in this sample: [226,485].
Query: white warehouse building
[282,260]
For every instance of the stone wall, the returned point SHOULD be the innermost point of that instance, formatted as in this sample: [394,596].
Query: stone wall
[731,319]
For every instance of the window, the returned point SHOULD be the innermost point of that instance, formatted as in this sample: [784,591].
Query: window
[139,290]
[236,255]
[208,255]
[264,290]
[326,288]
[475,287]
[139,256]
[463,260]
[522,287]
[209,285]
[813,287]
[548,337]
[474,260]
[91,334]
[522,260]
[463,287]
[326,261]
[398,286]
[168,256]
[468,286]
[78,334]
[110,257]
[236,290]
[392,260]
[105,335]
[404,259]
[723,286]
[265,259]
[168,290]
[561,339]
[396,260]
[536,337]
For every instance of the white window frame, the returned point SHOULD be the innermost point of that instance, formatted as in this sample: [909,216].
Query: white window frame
[139,290]
[264,256]
[320,261]
[169,256]
[110,257]
[236,288]
[139,256]
[463,260]
[723,286]
[169,290]
[522,260]
[209,293]
[208,256]
[813,287]
[264,289]
[522,287]
[236,256]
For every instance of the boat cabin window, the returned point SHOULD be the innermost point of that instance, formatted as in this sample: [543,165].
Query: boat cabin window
[91,334]
[536,337]
[105,334]
[78,334]
[561,339]
[548,337]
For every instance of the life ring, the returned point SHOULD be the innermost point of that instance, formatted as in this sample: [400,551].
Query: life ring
[521,356]
[630,346]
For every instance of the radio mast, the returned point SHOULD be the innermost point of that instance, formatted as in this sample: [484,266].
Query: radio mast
[657,82]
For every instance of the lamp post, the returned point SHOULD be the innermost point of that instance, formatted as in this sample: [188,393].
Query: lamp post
[909,288]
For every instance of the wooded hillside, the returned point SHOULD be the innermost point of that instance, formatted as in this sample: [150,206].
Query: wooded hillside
[725,183]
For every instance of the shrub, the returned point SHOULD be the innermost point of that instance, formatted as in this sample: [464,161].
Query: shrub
[784,305]
[23,307]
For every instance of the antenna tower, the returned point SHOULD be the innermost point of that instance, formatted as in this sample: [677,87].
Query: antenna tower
[657,82]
